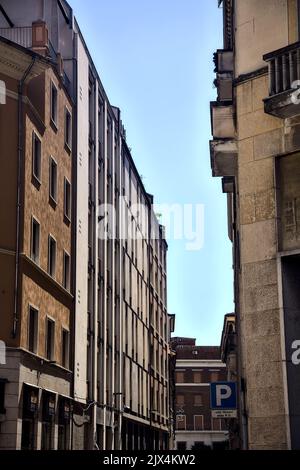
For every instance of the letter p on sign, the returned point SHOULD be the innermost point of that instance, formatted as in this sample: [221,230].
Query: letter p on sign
[223,395]
[223,392]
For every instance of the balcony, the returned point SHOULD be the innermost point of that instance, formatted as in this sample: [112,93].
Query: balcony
[222,120]
[284,76]
[223,83]
[223,157]
[21,36]
[223,60]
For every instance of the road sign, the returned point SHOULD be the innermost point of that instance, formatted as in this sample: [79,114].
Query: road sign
[223,396]
[224,414]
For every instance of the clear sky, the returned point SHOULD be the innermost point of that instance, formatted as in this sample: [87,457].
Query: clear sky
[155,60]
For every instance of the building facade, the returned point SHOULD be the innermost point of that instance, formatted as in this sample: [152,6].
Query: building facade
[196,368]
[35,252]
[255,149]
[119,324]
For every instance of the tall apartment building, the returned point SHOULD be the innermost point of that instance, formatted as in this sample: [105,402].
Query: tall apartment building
[35,248]
[196,368]
[255,149]
[120,328]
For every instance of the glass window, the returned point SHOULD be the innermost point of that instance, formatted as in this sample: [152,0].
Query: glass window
[35,240]
[36,157]
[53,179]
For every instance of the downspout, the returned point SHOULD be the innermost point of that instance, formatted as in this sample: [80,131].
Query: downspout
[20,154]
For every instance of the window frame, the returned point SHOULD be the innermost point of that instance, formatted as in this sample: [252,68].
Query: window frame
[36,259]
[51,196]
[67,216]
[49,320]
[51,238]
[202,427]
[32,307]
[68,113]
[65,361]
[198,395]
[36,138]
[184,419]
[66,285]
[54,120]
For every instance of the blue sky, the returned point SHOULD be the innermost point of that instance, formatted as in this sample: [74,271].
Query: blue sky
[154,58]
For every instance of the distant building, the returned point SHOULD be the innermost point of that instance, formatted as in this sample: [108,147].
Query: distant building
[196,368]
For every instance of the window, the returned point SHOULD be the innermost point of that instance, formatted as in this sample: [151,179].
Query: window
[216,424]
[50,331]
[36,157]
[66,271]
[198,423]
[67,200]
[214,376]
[197,377]
[33,330]
[2,396]
[180,377]
[54,100]
[53,179]
[65,348]
[68,129]
[198,400]
[35,240]
[180,400]
[181,422]
[51,256]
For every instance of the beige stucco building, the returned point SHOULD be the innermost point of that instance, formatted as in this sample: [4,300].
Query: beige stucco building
[255,148]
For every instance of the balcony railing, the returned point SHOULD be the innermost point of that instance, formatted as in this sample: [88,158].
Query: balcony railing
[284,74]
[21,35]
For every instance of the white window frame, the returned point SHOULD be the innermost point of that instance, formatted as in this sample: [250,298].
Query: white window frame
[198,416]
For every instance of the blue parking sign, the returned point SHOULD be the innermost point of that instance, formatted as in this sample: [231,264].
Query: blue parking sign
[223,396]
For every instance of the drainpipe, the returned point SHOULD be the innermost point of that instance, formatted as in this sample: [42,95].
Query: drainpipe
[20,154]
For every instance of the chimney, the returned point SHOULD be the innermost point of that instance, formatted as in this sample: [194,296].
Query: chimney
[40,38]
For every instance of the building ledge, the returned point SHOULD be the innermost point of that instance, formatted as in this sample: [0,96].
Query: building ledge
[223,157]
